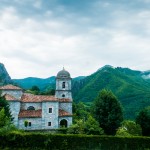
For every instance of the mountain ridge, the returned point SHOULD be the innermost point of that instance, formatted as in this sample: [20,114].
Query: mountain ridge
[4,76]
[132,87]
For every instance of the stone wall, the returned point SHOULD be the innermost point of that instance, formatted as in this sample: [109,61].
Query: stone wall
[68,119]
[36,123]
[66,106]
[15,93]
[59,84]
[60,90]
[50,117]
[15,109]
[66,93]
[37,106]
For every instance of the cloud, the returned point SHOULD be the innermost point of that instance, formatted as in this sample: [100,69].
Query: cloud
[37,38]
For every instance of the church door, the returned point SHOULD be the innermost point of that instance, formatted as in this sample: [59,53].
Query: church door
[63,123]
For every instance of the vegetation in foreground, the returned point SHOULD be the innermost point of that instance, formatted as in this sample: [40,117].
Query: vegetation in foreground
[104,118]
[46,141]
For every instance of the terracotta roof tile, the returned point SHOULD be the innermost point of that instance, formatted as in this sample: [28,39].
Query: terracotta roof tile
[9,97]
[37,98]
[30,113]
[63,113]
[10,87]
[64,100]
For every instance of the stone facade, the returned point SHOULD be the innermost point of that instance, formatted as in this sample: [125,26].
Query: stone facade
[36,123]
[41,112]
[15,109]
[63,85]
[50,116]
[66,106]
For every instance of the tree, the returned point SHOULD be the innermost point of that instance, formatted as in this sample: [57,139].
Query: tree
[48,92]
[129,128]
[143,119]
[26,123]
[91,126]
[4,120]
[77,128]
[80,111]
[4,104]
[108,111]
[34,90]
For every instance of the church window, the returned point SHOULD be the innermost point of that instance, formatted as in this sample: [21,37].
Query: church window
[29,124]
[49,123]
[63,85]
[63,95]
[30,108]
[50,110]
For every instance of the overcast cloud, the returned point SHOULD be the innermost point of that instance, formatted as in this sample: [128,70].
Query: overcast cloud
[39,37]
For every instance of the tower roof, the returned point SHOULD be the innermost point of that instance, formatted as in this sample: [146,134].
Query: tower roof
[63,74]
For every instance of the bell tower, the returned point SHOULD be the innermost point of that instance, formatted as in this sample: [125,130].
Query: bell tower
[63,85]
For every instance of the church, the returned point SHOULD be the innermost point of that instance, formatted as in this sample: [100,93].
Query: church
[42,112]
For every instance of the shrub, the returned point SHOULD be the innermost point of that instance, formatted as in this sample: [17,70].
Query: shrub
[129,128]
[77,128]
[71,142]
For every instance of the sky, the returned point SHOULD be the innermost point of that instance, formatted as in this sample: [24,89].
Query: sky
[39,37]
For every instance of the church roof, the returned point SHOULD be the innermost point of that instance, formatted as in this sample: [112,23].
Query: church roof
[30,113]
[37,98]
[10,87]
[63,74]
[63,113]
[38,113]
[9,97]
[64,100]
[26,97]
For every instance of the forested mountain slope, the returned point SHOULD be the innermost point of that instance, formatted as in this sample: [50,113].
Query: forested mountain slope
[131,87]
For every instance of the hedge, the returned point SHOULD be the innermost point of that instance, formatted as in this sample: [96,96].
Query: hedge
[38,141]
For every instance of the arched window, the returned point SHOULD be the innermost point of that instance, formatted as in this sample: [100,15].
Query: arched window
[30,108]
[63,95]
[63,85]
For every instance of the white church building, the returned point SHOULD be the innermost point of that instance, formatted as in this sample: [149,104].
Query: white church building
[41,111]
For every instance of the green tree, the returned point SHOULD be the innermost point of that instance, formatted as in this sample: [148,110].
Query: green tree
[91,126]
[4,104]
[122,132]
[143,119]
[26,123]
[48,92]
[34,90]
[108,111]
[77,128]
[4,120]
[80,111]
[129,128]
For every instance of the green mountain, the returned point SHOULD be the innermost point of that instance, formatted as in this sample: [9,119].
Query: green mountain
[131,87]
[27,83]
[43,84]
[4,76]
